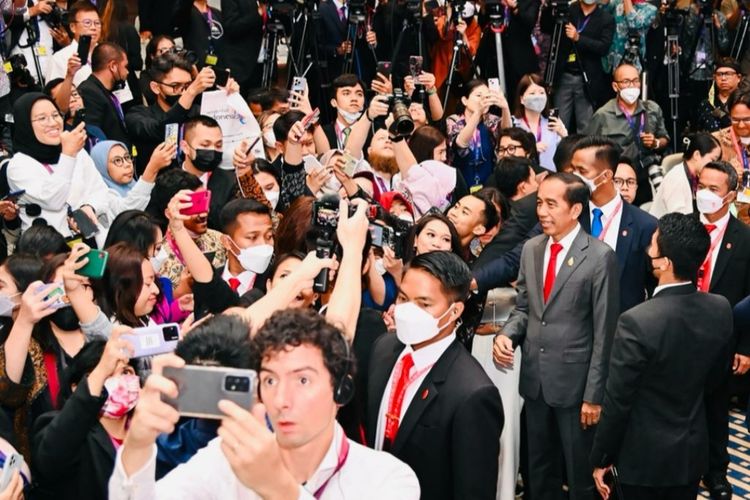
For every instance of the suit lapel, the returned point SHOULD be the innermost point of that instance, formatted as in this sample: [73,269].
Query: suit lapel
[425,395]
[380,372]
[725,252]
[625,236]
[539,270]
[573,258]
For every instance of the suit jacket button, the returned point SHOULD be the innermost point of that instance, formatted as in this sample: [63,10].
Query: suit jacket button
[544,323]
[541,349]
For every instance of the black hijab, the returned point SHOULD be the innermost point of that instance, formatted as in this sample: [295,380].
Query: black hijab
[24,139]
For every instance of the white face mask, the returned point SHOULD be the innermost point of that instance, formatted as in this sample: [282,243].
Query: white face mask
[406,216]
[158,259]
[535,103]
[708,202]
[630,94]
[269,139]
[415,325]
[589,182]
[272,197]
[589,2]
[349,116]
[7,305]
[745,140]
[380,267]
[254,259]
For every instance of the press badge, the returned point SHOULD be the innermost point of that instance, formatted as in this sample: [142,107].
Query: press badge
[572,57]
[211,59]
[7,67]
[40,50]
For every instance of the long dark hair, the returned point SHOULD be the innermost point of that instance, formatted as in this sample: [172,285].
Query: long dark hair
[118,290]
[42,331]
[416,230]
[114,15]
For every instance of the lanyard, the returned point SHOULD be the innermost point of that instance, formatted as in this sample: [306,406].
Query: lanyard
[210,22]
[343,455]
[53,382]
[631,120]
[396,400]
[538,128]
[609,221]
[48,168]
[173,245]
[741,152]
[341,138]
[582,26]
[118,107]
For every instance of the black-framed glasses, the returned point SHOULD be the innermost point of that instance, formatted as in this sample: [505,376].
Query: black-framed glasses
[619,182]
[725,74]
[635,82]
[511,150]
[177,87]
[119,161]
[88,23]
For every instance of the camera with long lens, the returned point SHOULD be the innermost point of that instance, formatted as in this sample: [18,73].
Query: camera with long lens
[20,77]
[632,52]
[706,8]
[57,17]
[495,12]
[398,104]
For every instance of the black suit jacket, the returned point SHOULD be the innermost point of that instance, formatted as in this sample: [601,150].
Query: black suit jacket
[332,32]
[101,111]
[731,274]
[666,353]
[522,219]
[450,433]
[73,456]
[243,35]
[633,238]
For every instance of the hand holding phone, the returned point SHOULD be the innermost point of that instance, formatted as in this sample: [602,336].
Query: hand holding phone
[12,466]
[200,388]
[84,46]
[200,201]
[222,77]
[86,227]
[97,263]
[153,340]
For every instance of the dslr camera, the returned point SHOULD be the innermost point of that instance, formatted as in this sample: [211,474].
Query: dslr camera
[190,56]
[57,17]
[561,11]
[398,104]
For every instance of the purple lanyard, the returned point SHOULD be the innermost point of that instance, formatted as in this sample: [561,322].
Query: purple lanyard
[118,107]
[210,21]
[631,120]
[583,25]
[343,455]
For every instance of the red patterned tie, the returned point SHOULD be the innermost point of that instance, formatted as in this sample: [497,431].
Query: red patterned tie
[549,278]
[234,284]
[704,274]
[393,417]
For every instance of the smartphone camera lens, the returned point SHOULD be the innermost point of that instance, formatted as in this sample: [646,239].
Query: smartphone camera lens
[171,333]
[236,384]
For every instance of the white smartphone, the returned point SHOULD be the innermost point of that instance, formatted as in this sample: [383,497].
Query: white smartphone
[171,132]
[299,83]
[493,84]
[12,464]
[153,340]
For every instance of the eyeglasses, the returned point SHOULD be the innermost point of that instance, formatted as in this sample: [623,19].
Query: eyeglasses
[635,82]
[511,150]
[119,161]
[725,74]
[88,23]
[55,117]
[178,87]
[619,181]
[736,120]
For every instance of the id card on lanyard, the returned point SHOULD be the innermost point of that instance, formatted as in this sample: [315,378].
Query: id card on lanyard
[211,58]
[632,123]
[743,195]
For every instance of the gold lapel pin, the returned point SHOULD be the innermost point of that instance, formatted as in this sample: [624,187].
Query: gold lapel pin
[570,262]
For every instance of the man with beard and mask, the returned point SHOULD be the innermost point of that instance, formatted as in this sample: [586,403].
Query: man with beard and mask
[564,320]
[109,64]
[624,227]
[725,270]
[75,448]
[635,125]
[429,402]
[653,406]
[176,94]
[202,145]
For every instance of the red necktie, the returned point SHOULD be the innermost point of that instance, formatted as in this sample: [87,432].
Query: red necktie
[393,416]
[549,278]
[234,284]
[704,274]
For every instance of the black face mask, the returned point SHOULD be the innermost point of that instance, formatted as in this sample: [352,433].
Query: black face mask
[118,83]
[171,99]
[206,160]
[65,319]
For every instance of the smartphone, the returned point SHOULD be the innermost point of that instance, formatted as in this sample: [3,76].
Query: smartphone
[153,340]
[171,132]
[200,202]
[493,84]
[222,77]
[79,117]
[57,295]
[13,195]
[311,119]
[299,83]
[384,68]
[202,387]
[325,214]
[96,265]
[553,113]
[350,165]
[86,226]
[415,66]
[252,145]
[13,463]
[376,234]
[84,45]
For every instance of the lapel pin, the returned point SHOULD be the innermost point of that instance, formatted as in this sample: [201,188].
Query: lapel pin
[729,245]
[570,262]
[624,232]
[425,393]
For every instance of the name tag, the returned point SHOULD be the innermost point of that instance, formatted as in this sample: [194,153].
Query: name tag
[211,59]
[8,67]
[572,57]
[40,50]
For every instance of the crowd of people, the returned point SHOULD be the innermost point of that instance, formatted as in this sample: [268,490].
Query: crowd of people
[246,248]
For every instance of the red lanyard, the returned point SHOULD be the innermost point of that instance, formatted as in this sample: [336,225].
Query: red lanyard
[175,249]
[538,128]
[741,152]
[609,221]
[48,168]
[53,382]
[396,400]
[343,455]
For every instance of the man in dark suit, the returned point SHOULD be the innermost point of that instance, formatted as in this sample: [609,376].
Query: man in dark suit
[203,145]
[656,436]
[725,271]
[336,41]
[430,403]
[624,227]
[565,316]
[109,65]
[243,35]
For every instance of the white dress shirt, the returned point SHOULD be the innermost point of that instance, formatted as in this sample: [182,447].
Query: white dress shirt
[608,212]
[58,65]
[247,279]
[566,243]
[721,226]
[424,357]
[366,474]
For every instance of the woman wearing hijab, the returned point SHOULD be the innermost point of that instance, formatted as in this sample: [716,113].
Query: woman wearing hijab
[114,163]
[51,166]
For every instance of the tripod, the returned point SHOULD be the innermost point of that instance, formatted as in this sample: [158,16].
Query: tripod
[738,45]
[31,40]
[357,22]
[498,24]
[458,46]
[672,62]
[270,45]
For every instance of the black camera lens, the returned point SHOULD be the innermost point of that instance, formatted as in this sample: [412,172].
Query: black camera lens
[236,384]
[170,333]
